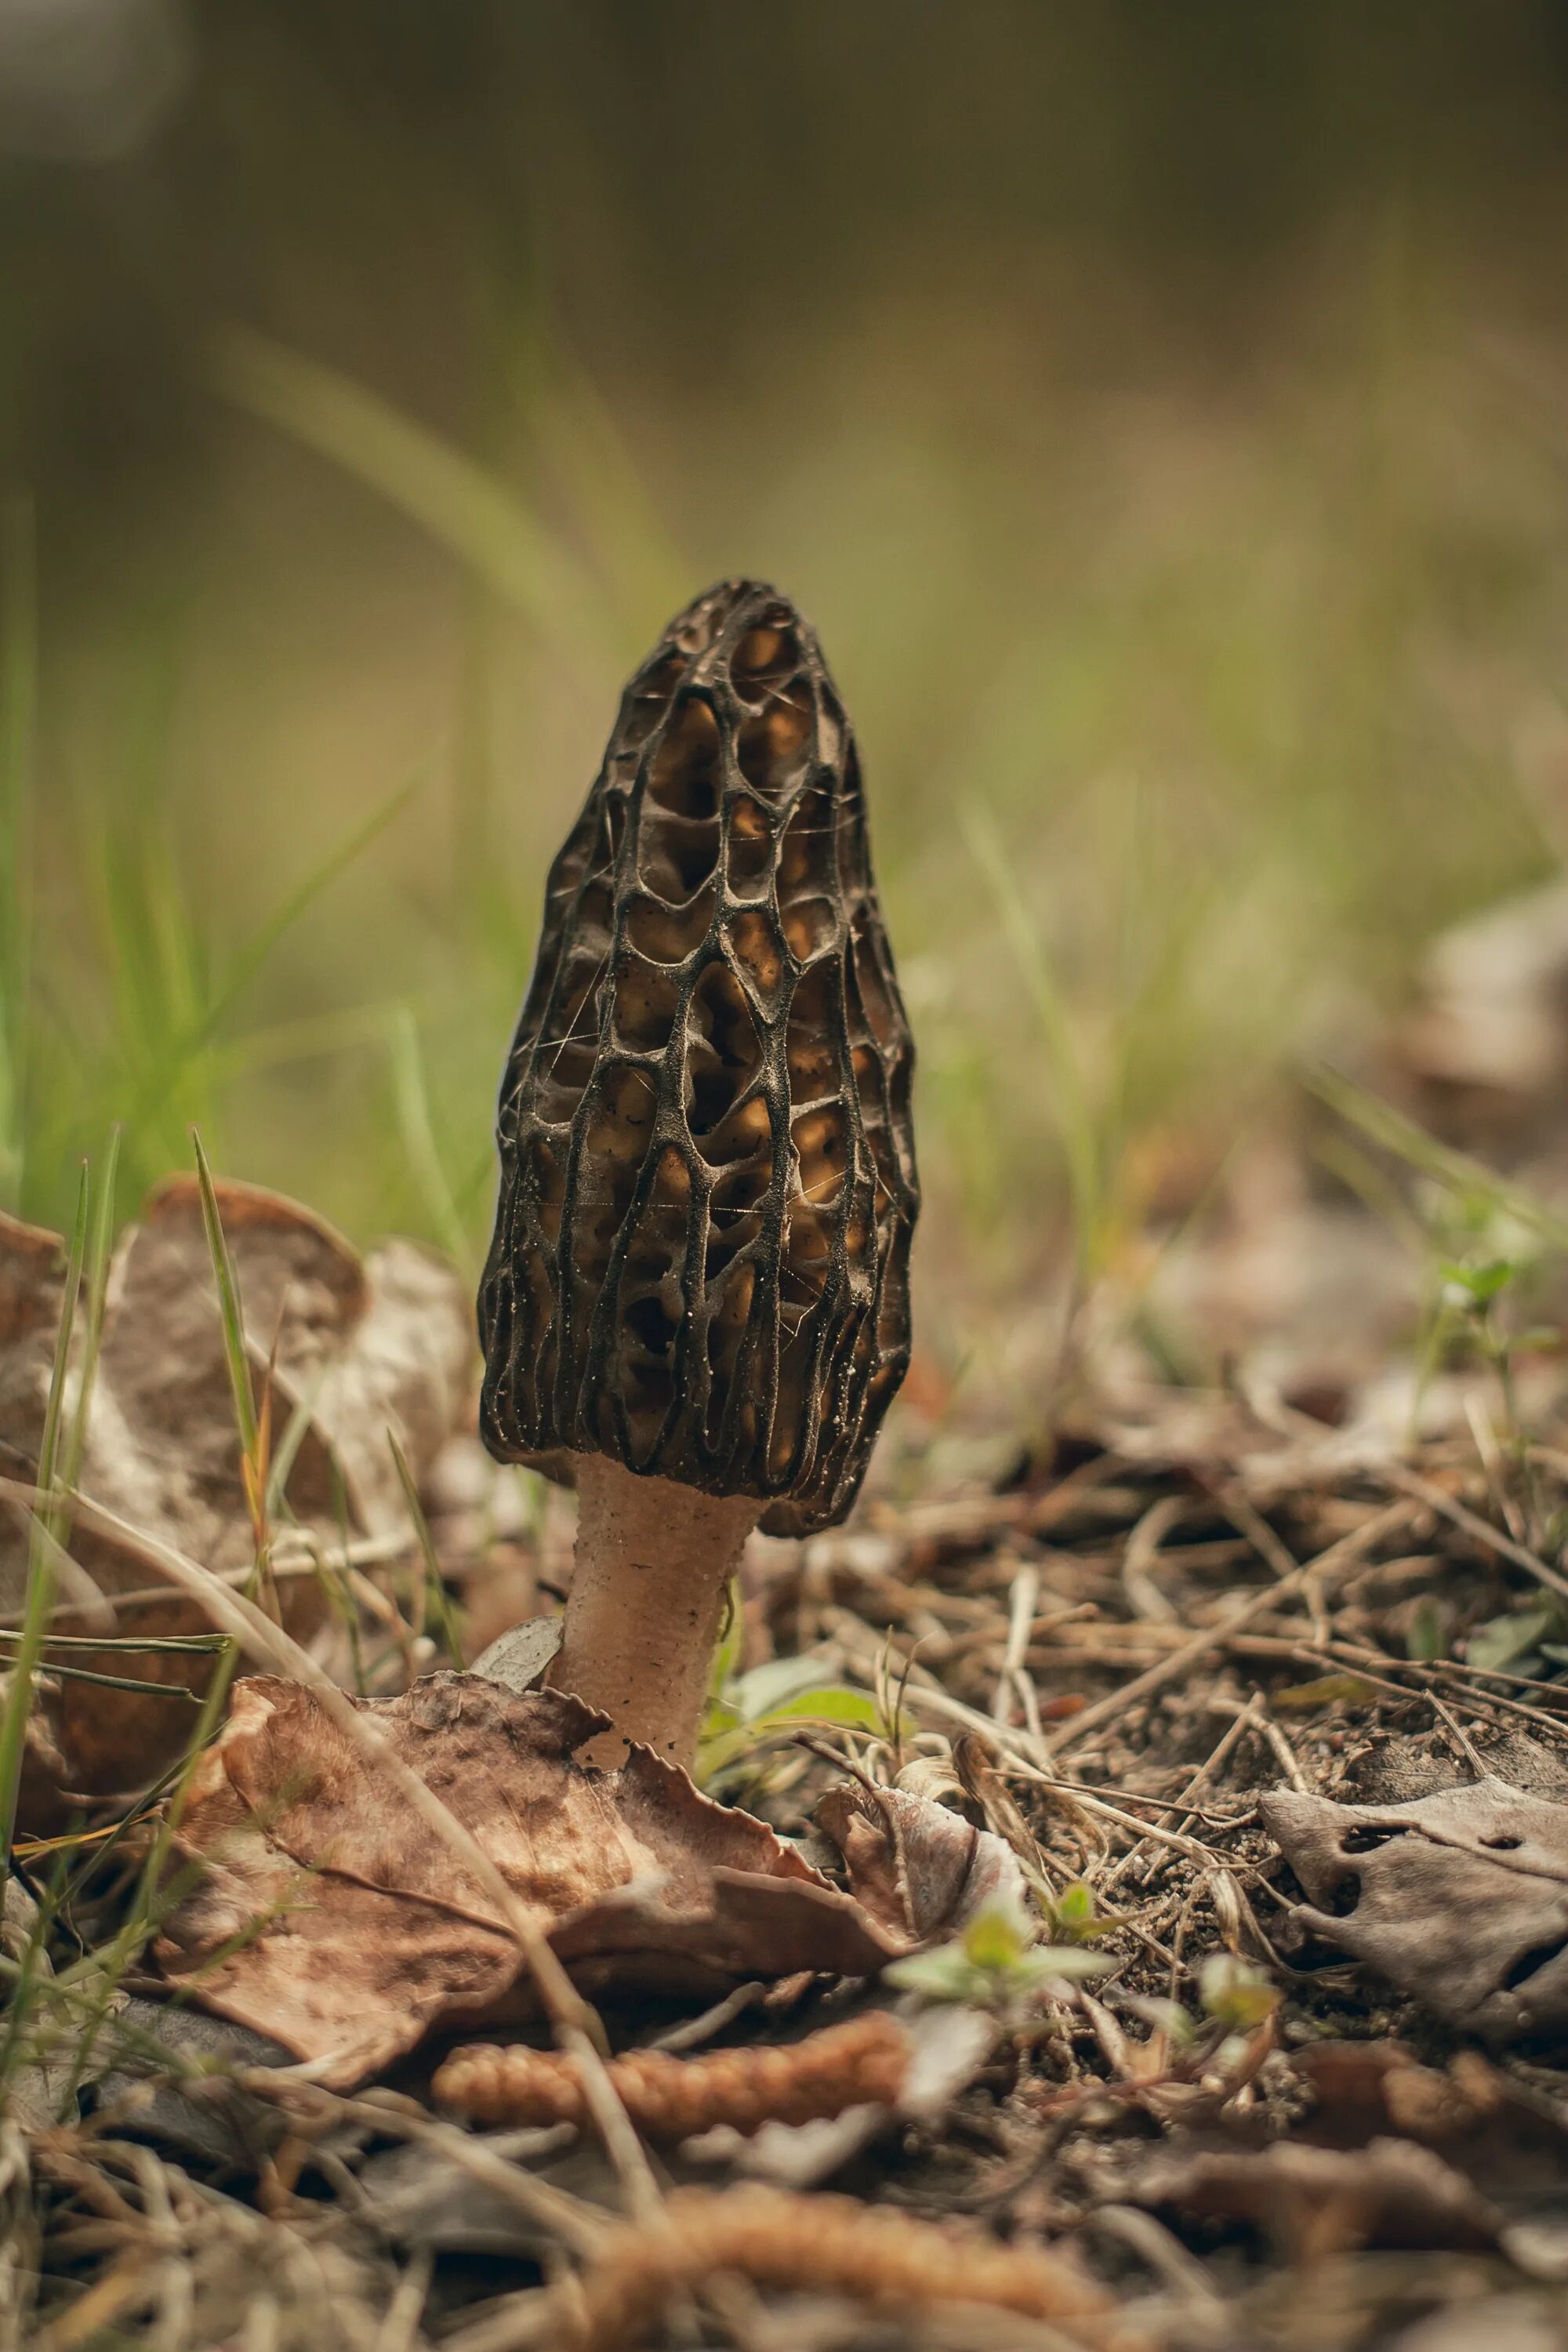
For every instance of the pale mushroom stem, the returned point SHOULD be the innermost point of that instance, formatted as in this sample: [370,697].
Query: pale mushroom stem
[653,1561]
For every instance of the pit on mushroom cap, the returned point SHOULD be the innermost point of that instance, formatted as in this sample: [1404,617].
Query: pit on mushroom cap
[697,1295]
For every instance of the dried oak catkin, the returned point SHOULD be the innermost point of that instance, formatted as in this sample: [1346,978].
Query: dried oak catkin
[820,2244]
[843,2066]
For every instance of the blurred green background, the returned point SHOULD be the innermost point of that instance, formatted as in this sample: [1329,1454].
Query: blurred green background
[1161,409]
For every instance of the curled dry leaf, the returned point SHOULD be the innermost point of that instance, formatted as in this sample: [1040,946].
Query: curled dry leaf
[1391,2153]
[358,1347]
[173,2076]
[1314,2201]
[1508,2140]
[1363,2089]
[921,1870]
[40,2089]
[1382,2152]
[1487,1040]
[1460,1898]
[333,1918]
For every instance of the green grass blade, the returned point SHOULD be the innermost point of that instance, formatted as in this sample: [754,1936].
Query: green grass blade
[173,1644]
[40,1578]
[18,719]
[455,500]
[417,1126]
[234,1348]
[1382,1124]
[437,1598]
[1074,1110]
[48,1451]
[197,1033]
[63,1670]
[98,1256]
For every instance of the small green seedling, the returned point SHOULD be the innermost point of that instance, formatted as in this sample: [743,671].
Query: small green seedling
[1526,1641]
[1472,1288]
[777,1699]
[1071,1916]
[1168,2018]
[1430,1630]
[1484,1246]
[1235,1998]
[1235,1994]
[1488,1267]
[996,1963]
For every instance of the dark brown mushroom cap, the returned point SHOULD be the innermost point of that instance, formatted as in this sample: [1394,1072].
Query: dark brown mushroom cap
[708,1180]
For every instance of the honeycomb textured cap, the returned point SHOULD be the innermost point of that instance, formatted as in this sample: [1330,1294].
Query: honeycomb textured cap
[708,1181]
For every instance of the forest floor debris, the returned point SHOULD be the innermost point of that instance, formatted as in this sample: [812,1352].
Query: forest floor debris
[1200,1682]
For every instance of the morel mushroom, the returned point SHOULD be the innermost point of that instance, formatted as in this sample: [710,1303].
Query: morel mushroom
[698,1282]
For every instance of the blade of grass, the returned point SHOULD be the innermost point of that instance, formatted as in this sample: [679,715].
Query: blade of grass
[40,1578]
[418,1131]
[434,1595]
[176,1644]
[253,1428]
[154,972]
[1074,1111]
[455,500]
[191,1039]
[18,709]
[98,1256]
[234,1348]
[57,1668]
[1383,1125]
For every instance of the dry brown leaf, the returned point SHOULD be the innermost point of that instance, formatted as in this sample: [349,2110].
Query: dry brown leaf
[1460,1898]
[1487,1038]
[369,1931]
[1391,2153]
[921,1870]
[1508,2140]
[1314,2201]
[334,1919]
[362,1348]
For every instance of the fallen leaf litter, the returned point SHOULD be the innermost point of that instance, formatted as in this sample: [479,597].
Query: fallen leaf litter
[1156,1803]
[355,1347]
[324,1915]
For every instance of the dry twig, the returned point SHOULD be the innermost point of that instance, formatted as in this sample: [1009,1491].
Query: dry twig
[1479,1531]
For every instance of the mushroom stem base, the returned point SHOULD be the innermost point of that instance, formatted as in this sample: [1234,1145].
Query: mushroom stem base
[647,1594]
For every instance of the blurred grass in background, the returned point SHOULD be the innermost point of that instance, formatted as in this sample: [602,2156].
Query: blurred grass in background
[1162,412]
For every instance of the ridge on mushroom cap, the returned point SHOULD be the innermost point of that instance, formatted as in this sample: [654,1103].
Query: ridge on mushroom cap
[708,1186]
